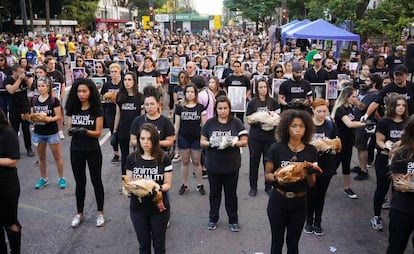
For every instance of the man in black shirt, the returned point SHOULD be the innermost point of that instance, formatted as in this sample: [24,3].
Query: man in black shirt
[17,85]
[332,74]
[316,74]
[393,60]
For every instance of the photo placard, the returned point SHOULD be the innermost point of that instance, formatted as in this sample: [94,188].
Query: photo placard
[90,63]
[275,87]
[237,96]
[146,81]
[99,81]
[319,90]
[206,74]
[212,60]
[163,65]
[78,72]
[174,75]
[219,70]
[332,89]
[255,80]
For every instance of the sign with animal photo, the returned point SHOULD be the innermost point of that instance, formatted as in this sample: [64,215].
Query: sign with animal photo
[275,87]
[211,60]
[183,61]
[146,81]
[99,81]
[237,97]
[174,71]
[319,90]
[219,70]
[78,72]
[56,90]
[90,63]
[163,65]
[332,89]
[255,80]
[206,74]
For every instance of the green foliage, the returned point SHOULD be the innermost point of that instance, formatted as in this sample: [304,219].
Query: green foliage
[81,10]
[143,5]
[254,10]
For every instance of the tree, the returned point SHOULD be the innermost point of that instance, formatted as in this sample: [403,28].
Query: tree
[142,5]
[81,10]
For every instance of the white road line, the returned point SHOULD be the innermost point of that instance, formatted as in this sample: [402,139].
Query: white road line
[105,138]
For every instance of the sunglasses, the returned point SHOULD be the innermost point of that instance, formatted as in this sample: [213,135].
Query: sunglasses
[279,71]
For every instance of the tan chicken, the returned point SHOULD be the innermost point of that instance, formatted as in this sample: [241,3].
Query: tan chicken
[144,187]
[333,146]
[110,96]
[295,172]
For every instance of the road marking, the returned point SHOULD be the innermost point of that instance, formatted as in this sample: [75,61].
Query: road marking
[105,138]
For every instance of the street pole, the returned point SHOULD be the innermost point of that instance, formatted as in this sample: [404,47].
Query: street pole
[106,17]
[23,14]
[47,7]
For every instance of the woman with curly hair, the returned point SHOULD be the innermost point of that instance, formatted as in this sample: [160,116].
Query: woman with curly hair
[287,203]
[85,123]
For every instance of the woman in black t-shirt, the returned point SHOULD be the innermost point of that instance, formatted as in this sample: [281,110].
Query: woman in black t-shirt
[343,116]
[324,128]
[223,135]
[389,128]
[286,209]
[189,117]
[129,105]
[402,204]
[259,140]
[85,123]
[46,132]
[9,187]
[150,162]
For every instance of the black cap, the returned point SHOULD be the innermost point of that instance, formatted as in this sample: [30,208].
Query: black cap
[401,68]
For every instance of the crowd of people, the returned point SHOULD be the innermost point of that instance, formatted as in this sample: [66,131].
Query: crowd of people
[214,85]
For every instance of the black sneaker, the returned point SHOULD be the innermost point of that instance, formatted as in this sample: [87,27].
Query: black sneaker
[350,193]
[183,189]
[362,175]
[235,227]
[355,169]
[200,189]
[252,192]
[115,159]
[317,230]
[204,174]
[212,225]
[30,152]
[308,229]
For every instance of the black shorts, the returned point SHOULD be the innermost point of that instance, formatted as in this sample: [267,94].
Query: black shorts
[361,139]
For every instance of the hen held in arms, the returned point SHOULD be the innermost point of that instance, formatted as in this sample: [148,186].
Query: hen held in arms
[268,119]
[36,117]
[222,142]
[110,96]
[295,172]
[326,145]
[143,188]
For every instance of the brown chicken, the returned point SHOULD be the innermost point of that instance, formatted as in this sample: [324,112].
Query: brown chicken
[143,188]
[334,146]
[110,96]
[295,172]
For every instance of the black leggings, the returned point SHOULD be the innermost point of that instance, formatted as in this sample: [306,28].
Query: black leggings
[286,214]
[15,121]
[124,145]
[316,200]
[228,182]
[257,149]
[400,229]
[78,160]
[383,181]
[345,155]
[110,120]
[150,227]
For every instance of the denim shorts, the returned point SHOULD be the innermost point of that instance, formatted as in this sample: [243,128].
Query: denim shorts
[49,139]
[187,143]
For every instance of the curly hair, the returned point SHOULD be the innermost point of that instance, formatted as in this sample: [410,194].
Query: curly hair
[287,117]
[73,104]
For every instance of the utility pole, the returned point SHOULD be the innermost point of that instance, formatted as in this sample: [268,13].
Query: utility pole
[47,7]
[23,14]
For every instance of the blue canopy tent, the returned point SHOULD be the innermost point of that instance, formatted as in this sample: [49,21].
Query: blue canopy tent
[322,30]
[292,26]
[290,23]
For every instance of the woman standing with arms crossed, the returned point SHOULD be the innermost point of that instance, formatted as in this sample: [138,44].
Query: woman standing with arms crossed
[223,161]
[85,123]
[149,222]
[389,128]
[287,203]
[316,194]
[343,116]
[129,105]
[402,203]
[47,132]
[189,117]
[259,139]
[9,186]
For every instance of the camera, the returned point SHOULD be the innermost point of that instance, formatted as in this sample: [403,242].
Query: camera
[28,74]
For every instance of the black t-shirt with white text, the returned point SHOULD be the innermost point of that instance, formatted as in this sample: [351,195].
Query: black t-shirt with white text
[18,102]
[407,91]
[190,120]
[256,105]
[295,90]
[47,107]
[402,201]
[129,110]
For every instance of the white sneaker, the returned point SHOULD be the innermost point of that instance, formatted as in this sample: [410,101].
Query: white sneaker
[376,223]
[61,135]
[100,220]
[77,220]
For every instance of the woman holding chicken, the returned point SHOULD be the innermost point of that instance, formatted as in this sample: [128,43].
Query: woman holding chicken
[287,203]
[151,163]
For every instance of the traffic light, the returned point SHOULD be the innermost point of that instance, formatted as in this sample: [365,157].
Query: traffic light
[284,15]
[151,13]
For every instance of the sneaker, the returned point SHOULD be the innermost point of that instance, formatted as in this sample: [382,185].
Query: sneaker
[204,174]
[362,175]
[200,188]
[41,183]
[61,135]
[252,192]
[176,158]
[308,229]
[355,169]
[386,204]
[62,183]
[317,230]
[168,224]
[212,225]
[376,223]
[100,220]
[183,189]
[370,164]
[115,159]
[30,152]
[77,220]
[235,227]
[350,193]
